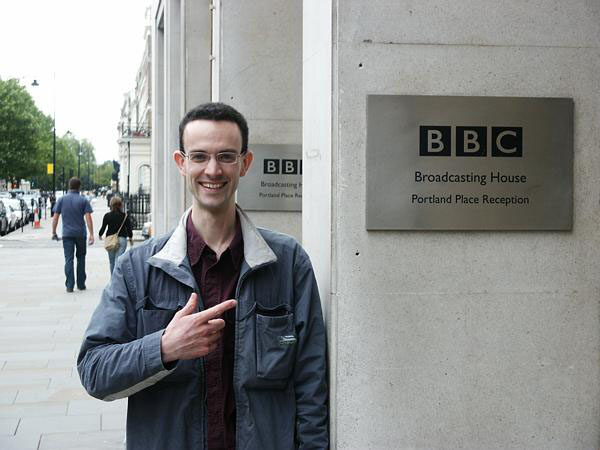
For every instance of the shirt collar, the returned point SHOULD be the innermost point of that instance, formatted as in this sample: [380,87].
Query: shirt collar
[173,253]
[196,245]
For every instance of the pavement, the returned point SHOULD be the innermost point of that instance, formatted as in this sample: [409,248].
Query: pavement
[42,403]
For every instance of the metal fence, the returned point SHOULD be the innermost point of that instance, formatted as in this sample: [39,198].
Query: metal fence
[138,209]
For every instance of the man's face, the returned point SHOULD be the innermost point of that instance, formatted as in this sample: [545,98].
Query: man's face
[212,184]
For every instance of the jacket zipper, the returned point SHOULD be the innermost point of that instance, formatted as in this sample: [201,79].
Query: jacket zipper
[203,385]
[235,353]
[236,347]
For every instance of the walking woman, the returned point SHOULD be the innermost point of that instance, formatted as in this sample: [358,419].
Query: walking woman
[117,222]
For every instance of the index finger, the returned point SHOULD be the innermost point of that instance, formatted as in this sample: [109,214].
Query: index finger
[216,311]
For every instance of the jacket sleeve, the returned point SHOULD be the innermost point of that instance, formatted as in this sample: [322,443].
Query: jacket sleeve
[128,227]
[310,373]
[104,225]
[112,362]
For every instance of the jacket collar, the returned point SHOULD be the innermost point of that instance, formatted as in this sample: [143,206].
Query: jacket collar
[256,251]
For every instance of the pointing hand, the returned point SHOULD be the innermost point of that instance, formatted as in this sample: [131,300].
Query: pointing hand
[191,335]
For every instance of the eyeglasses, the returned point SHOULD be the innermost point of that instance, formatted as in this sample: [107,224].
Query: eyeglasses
[203,158]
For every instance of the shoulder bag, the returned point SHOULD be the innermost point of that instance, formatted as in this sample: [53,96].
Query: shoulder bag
[111,243]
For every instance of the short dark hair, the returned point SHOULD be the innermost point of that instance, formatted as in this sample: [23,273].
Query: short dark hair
[217,112]
[74,183]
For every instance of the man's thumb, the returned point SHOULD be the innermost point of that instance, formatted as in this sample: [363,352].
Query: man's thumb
[189,307]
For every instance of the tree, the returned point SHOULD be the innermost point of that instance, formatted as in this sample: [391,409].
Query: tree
[88,164]
[26,145]
[25,133]
[66,160]
[104,173]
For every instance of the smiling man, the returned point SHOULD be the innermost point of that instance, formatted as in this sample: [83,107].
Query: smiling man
[214,332]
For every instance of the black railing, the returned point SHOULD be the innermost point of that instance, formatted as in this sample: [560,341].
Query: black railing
[138,209]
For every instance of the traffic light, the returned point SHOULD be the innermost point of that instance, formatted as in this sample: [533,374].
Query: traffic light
[117,168]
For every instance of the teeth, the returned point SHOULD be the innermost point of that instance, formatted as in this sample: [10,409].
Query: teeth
[213,185]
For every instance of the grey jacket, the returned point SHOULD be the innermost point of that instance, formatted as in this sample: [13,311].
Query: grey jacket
[280,368]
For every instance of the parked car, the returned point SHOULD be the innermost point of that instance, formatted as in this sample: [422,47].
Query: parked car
[11,216]
[13,219]
[3,219]
[15,206]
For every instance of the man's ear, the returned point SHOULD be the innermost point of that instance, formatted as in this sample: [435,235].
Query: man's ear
[179,161]
[247,162]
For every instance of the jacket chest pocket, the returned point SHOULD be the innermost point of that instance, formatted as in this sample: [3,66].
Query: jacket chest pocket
[275,343]
[154,318]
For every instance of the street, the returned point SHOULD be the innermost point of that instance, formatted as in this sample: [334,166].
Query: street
[42,403]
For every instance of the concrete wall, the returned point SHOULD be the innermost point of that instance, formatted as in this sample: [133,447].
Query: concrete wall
[196,66]
[318,184]
[260,73]
[181,80]
[457,339]
[157,153]
[248,54]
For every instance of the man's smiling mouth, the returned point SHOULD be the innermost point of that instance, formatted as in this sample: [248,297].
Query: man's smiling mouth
[212,186]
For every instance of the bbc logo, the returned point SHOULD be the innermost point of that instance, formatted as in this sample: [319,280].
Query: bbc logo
[505,142]
[282,166]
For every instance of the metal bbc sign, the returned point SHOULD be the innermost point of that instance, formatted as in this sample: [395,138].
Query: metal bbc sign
[469,163]
[274,182]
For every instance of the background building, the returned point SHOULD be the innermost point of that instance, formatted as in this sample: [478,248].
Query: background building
[437,339]
[135,126]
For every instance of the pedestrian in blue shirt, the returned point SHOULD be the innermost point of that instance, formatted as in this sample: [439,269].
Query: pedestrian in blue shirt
[74,208]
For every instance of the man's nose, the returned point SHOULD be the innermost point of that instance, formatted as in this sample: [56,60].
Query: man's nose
[212,166]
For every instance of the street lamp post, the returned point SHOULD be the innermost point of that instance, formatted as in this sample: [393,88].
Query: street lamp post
[128,165]
[88,177]
[34,84]
[79,161]
[54,156]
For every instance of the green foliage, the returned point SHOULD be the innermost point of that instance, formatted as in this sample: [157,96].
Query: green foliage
[25,132]
[26,143]
[104,173]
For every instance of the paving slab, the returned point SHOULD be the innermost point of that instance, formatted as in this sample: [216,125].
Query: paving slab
[8,395]
[93,406]
[43,394]
[43,409]
[102,440]
[42,403]
[20,442]
[58,424]
[8,426]
[27,355]
[12,381]
[65,382]
[34,364]
[111,421]
[26,385]
[34,373]
[61,363]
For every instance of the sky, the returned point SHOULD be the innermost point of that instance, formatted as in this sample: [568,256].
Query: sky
[85,56]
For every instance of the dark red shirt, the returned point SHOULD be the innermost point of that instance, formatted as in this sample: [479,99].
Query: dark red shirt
[217,280]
